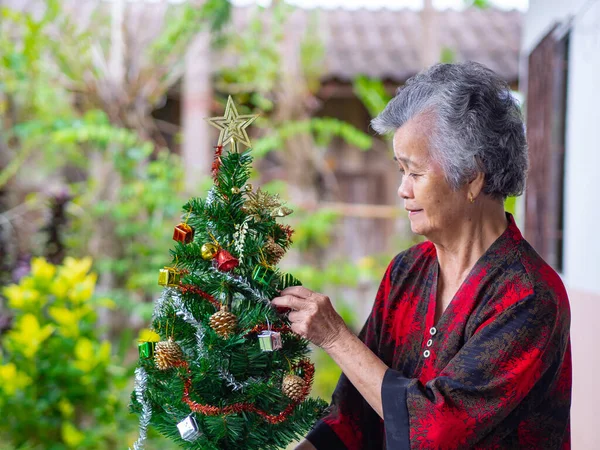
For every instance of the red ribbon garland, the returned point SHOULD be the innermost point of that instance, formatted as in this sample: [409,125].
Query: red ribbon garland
[208,410]
[216,165]
[190,288]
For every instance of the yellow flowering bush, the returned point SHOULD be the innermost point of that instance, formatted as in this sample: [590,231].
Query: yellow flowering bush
[56,387]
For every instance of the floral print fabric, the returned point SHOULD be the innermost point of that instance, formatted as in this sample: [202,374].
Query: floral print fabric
[493,373]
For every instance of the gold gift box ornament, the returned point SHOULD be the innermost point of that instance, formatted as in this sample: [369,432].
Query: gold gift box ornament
[169,277]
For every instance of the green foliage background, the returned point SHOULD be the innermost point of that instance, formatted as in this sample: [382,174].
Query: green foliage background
[127,190]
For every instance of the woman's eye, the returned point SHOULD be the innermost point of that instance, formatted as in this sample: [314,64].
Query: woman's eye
[413,175]
[410,174]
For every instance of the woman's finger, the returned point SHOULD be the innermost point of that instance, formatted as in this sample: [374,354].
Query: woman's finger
[297,291]
[290,301]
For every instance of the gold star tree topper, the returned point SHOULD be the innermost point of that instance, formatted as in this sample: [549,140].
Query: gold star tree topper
[233,126]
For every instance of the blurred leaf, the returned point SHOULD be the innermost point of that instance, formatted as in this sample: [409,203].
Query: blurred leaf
[323,129]
[371,92]
[477,3]
[447,55]
[510,205]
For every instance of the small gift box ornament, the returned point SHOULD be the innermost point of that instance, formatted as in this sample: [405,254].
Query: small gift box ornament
[188,429]
[146,349]
[183,233]
[270,341]
[169,276]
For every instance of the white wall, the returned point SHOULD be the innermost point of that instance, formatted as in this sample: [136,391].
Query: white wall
[582,199]
[582,182]
[540,17]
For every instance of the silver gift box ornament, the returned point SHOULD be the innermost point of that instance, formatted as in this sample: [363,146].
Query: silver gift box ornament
[188,428]
[270,341]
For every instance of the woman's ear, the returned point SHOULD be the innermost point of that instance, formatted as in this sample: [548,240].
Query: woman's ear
[476,185]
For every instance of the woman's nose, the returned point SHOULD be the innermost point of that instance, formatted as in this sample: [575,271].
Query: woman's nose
[405,190]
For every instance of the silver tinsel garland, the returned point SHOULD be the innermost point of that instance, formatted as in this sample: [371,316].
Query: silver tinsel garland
[186,315]
[240,283]
[173,297]
[233,383]
[210,198]
[141,382]
[161,303]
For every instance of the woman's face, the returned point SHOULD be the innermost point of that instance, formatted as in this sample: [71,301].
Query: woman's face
[434,209]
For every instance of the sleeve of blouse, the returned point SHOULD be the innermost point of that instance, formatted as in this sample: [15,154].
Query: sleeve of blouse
[350,418]
[491,374]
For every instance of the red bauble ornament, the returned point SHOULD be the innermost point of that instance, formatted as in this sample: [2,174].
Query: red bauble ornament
[225,261]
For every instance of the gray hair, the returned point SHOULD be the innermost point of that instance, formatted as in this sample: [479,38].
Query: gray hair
[478,126]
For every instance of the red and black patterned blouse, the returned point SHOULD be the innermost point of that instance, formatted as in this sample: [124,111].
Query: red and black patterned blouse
[493,373]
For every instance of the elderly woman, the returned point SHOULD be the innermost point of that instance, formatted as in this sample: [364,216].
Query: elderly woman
[467,344]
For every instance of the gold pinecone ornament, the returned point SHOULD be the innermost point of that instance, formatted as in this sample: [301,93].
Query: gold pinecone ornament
[293,386]
[223,322]
[167,353]
[274,251]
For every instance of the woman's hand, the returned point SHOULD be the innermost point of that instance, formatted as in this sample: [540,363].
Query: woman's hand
[313,316]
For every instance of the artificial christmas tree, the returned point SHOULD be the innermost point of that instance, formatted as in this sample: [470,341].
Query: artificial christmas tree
[228,372]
